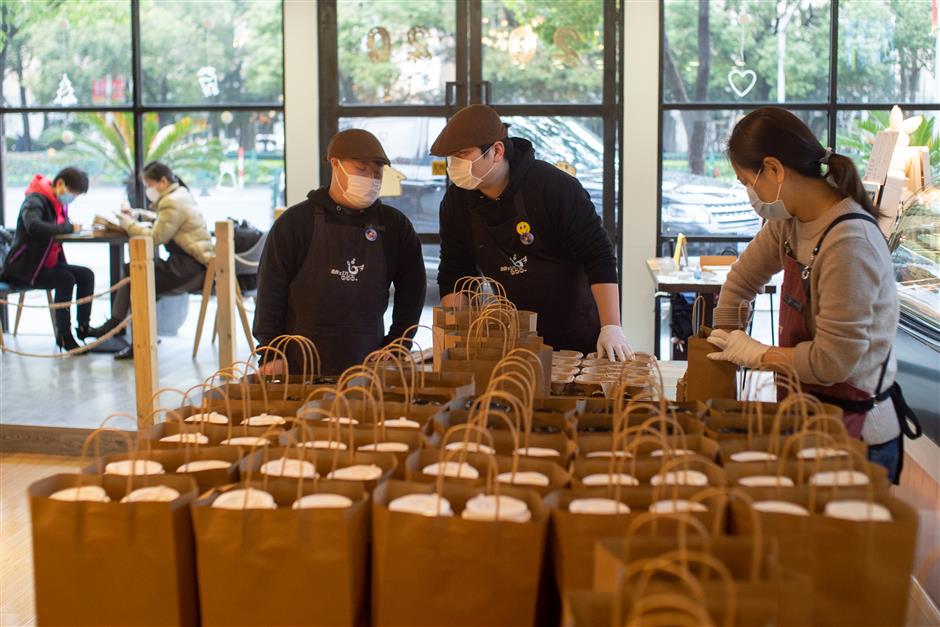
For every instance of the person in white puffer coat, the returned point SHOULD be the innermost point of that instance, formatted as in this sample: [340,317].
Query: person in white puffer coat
[176,222]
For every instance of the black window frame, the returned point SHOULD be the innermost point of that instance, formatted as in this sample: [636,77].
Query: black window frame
[139,110]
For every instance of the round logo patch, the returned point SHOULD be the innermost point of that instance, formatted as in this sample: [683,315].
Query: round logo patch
[526,238]
[371,234]
[523,227]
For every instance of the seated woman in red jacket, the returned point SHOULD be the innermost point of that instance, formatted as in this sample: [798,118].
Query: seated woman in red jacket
[36,259]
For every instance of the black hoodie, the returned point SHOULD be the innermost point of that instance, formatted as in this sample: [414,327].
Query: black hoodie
[289,242]
[558,208]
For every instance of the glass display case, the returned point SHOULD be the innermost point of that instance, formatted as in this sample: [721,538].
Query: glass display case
[915,245]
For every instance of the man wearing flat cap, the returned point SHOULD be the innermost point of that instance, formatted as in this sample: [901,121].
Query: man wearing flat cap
[329,261]
[533,228]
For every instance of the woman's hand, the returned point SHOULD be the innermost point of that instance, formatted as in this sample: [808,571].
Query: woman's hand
[76,228]
[737,347]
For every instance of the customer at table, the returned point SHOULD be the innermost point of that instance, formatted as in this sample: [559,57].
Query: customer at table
[36,259]
[180,227]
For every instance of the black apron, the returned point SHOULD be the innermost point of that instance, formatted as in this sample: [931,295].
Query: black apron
[339,297]
[538,280]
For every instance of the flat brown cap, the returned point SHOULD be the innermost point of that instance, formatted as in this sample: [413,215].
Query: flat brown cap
[476,125]
[355,143]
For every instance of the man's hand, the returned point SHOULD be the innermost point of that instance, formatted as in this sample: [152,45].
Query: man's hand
[273,367]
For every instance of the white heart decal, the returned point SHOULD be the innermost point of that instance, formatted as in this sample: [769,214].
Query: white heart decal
[748,77]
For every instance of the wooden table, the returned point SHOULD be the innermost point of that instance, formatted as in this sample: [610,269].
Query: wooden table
[115,242]
[668,279]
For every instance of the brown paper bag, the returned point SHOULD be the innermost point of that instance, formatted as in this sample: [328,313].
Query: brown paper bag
[284,566]
[707,379]
[113,563]
[450,571]
[173,459]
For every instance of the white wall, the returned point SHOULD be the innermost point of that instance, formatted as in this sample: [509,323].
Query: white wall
[301,101]
[640,168]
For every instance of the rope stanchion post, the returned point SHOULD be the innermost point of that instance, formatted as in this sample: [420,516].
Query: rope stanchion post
[143,315]
[225,291]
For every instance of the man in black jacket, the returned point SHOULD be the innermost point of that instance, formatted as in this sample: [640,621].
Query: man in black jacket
[37,260]
[329,261]
[533,228]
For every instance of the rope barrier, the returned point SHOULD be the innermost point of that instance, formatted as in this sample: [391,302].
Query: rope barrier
[75,351]
[80,301]
[243,261]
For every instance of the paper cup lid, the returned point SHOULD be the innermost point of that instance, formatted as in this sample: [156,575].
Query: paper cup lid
[536,451]
[813,452]
[153,494]
[356,472]
[340,420]
[236,499]
[675,452]
[858,510]
[484,506]
[264,420]
[676,506]
[401,423]
[140,468]
[839,478]
[781,507]
[289,467]
[753,456]
[213,417]
[186,438]
[610,479]
[385,447]
[681,477]
[246,440]
[322,501]
[324,444]
[597,506]
[473,447]
[421,504]
[766,481]
[460,470]
[91,493]
[523,478]
[202,465]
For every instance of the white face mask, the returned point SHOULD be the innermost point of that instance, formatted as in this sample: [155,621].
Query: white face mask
[361,191]
[460,171]
[152,194]
[770,211]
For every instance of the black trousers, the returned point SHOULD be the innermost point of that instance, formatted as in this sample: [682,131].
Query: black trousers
[66,278]
[177,275]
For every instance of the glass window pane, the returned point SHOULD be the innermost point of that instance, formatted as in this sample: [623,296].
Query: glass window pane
[102,144]
[751,51]
[406,141]
[574,144]
[395,52]
[888,52]
[218,51]
[855,132]
[700,193]
[68,54]
[545,51]
[232,161]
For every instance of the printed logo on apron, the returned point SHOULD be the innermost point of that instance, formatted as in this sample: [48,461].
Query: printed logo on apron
[351,272]
[517,267]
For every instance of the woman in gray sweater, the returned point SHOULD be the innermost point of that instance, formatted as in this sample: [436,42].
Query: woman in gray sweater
[839,304]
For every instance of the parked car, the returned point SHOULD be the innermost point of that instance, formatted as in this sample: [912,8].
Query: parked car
[697,209]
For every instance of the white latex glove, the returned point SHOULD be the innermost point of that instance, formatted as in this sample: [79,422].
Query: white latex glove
[612,343]
[737,347]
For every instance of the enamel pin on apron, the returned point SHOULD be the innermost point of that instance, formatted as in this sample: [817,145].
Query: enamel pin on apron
[371,234]
[525,233]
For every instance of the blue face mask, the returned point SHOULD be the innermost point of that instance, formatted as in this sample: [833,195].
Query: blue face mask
[66,198]
[770,211]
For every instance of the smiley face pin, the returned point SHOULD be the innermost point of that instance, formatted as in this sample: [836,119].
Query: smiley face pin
[523,227]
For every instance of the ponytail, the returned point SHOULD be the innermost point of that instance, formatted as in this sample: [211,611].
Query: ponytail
[775,132]
[156,170]
[843,176]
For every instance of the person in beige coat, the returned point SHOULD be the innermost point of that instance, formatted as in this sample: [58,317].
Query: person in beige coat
[175,222]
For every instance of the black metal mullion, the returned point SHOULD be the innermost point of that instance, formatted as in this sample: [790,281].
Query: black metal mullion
[461,71]
[609,125]
[138,199]
[329,85]
[833,70]
[476,51]
[371,111]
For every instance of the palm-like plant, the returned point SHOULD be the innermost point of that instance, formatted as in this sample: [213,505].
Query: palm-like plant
[859,142]
[180,145]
